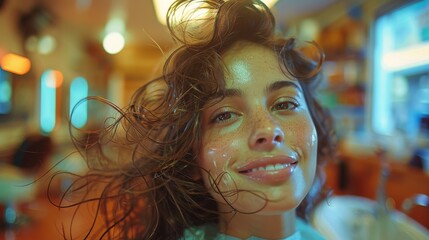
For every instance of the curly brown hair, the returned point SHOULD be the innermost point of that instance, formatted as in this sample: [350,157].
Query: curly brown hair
[146,190]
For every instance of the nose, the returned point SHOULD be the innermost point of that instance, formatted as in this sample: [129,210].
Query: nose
[266,135]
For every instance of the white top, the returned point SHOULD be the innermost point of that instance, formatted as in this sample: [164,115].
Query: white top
[210,232]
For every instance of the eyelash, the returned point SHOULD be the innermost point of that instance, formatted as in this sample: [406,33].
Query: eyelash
[226,116]
[218,117]
[288,107]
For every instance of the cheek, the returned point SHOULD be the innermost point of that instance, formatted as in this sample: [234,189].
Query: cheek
[214,156]
[217,153]
[301,134]
[217,148]
[214,161]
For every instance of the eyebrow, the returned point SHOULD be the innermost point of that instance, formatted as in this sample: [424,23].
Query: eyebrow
[282,84]
[234,92]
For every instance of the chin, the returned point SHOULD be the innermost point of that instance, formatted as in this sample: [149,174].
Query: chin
[279,208]
[253,202]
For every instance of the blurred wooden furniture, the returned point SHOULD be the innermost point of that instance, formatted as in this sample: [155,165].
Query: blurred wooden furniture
[360,175]
[45,221]
[41,222]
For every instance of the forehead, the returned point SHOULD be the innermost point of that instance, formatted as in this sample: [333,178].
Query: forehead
[249,52]
[246,61]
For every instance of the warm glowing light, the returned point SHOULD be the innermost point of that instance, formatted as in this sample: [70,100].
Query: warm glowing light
[410,57]
[161,7]
[113,42]
[270,3]
[56,79]
[15,64]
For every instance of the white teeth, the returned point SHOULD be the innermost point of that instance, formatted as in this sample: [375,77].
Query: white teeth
[279,166]
[271,167]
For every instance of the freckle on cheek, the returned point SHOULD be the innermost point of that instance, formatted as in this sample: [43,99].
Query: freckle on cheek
[302,136]
[299,132]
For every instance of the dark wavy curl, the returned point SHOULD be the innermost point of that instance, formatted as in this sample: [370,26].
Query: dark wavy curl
[142,184]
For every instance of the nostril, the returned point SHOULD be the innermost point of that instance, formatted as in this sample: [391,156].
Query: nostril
[263,140]
[266,137]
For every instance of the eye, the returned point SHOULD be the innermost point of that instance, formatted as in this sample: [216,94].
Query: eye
[224,117]
[285,105]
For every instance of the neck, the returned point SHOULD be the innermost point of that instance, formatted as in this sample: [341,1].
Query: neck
[263,226]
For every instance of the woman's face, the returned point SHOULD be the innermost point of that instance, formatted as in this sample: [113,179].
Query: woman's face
[259,143]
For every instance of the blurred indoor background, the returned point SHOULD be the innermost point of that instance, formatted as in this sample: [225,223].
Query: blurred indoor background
[53,53]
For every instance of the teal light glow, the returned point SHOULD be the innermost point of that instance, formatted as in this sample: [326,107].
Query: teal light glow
[5,92]
[401,48]
[47,102]
[381,114]
[78,108]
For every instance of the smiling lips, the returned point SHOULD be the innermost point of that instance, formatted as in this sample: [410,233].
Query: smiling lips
[271,170]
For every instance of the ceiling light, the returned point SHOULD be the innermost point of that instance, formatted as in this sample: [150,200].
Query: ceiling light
[161,8]
[113,42]
[115,29]
[270,3]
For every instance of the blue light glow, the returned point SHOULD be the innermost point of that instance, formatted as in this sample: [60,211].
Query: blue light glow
[10,215]
[401,46]
[78,110]
[47,102]
[381,115]
[5,92]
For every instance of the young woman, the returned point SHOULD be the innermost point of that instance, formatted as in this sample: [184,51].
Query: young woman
[228,143]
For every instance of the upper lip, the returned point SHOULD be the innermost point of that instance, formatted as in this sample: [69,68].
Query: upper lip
[264,161]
